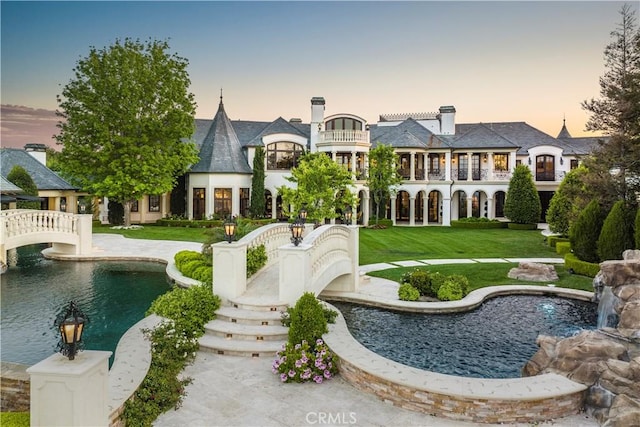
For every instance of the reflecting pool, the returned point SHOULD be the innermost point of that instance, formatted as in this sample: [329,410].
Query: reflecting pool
[493,341]
[114,295]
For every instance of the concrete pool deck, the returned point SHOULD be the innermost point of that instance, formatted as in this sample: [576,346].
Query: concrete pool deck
[240,391]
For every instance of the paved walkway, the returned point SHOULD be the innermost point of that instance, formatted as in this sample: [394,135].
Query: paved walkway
[237,391]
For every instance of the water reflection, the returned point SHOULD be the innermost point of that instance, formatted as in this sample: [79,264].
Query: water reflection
[115,295]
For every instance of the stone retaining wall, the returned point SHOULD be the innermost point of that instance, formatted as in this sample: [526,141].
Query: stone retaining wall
[15,388]
[462,409]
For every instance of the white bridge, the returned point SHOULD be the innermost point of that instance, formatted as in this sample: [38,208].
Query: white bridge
[69,233]
[326,258]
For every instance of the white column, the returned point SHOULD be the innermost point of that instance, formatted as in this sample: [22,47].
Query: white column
[512,161]
[393,208]
[412,166]
[490,167]
[469,204]
[365,209]
[425,209]
[491,214]
[447,166]
[446,210]
[70,392]
[353,164]
[469,167]
[412,210]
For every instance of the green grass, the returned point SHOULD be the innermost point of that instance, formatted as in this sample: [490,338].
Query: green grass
[154,232]
[481,275]
[14,419]
[415,243]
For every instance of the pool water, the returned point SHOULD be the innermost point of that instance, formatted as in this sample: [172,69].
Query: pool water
[114,295]
[493,341]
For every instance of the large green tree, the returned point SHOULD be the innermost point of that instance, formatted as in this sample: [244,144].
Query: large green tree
[523,202]
[383,176]
[616,234]
[568,201]
[256,208]
[125,115]
[21,178]
[585,231]
[615,164]
[322,187]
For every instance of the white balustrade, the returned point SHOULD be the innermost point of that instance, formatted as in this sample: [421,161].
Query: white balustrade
[344,136]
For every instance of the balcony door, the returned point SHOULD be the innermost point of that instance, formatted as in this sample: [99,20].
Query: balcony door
[545,168]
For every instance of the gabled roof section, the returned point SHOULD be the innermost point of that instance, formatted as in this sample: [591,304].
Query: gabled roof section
[42,176]
[279,125]
[220,151]
[408,134]
[480,136]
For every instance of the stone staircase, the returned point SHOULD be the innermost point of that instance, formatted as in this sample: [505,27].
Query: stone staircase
[246,328]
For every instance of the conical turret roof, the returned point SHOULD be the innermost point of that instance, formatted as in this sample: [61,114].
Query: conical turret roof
[221,151]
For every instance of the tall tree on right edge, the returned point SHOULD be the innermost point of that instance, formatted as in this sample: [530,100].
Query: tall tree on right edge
[614,169]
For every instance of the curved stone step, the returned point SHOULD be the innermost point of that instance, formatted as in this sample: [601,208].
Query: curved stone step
[258,304]
[245,348]
[237,331]
[248,317]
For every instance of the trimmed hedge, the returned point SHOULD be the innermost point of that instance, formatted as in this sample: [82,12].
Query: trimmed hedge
[563,248]
[553,240]
[516,226]
[583,268]
[464,223]
[206,223]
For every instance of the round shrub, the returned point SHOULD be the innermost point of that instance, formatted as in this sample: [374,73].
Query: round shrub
[437,279]
[183,256]
[308,322]
[421,280]
[462,282]
[189,267]
[406,292]
[450,291]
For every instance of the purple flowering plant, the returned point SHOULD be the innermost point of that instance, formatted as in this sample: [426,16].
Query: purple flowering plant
[302,362]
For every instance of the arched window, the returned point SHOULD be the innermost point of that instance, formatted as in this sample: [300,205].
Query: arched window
[283,155]
[343,123]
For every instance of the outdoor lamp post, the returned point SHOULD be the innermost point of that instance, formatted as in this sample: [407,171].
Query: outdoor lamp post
[297,227]
[70,323]
[230,229]
[347,215]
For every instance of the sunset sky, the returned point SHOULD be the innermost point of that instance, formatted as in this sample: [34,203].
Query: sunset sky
[494,61]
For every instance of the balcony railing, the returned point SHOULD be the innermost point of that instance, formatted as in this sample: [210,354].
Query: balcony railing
[499,175]
[476,174]
[550,176]
[436,175]
[344,136]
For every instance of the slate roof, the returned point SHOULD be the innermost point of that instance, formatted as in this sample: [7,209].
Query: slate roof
[220,150]
[42,176]
[479,136]
[564,132]
[8,187]
[520,134]
[408,134]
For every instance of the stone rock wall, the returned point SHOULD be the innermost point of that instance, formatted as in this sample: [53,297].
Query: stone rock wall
[608,359]
[15,386]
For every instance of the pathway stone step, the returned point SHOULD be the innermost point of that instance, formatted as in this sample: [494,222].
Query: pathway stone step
[219,345]
[236,331]
[257,304]
[249,317]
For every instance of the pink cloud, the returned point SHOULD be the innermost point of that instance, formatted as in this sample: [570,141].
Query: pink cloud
[22,125]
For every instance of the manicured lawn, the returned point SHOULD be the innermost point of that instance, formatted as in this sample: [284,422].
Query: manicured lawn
[416,243]
[153,232]
[482,275]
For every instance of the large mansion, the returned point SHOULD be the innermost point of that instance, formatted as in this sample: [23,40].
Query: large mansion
[450,170]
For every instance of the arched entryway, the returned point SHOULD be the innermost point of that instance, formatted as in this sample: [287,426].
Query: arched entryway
[403,206]
[459,205]
[434,214]
[498,201]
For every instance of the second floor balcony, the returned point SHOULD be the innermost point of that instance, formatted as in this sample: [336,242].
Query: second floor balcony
[341,137]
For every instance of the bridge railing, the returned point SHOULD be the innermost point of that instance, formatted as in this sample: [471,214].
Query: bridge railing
[327,258]
[70,233]
[230,259]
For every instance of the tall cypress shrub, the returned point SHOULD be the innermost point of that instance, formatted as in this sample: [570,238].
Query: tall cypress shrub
[523,202]
[256,209]
[616,235]
[585,231]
